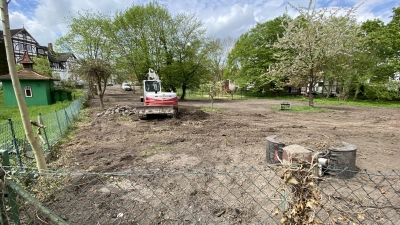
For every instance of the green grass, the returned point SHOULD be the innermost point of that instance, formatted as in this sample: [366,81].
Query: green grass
[367,103]
[13,111]
[209,109]
[303,109]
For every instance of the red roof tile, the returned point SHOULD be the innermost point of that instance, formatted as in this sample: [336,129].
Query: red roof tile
[26,59]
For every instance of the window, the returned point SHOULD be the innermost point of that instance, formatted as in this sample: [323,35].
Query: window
[20,47]
[28,91]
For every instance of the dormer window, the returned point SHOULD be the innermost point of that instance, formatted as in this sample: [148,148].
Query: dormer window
[28,91]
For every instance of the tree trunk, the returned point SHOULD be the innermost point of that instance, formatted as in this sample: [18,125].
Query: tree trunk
[357,91]
[183,91]
[100,94]
[310,95]
[37,149]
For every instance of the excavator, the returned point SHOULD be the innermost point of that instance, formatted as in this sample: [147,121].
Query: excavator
[156,101]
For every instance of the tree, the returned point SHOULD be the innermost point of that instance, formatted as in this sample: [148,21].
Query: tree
[95,71]
[253,53]
[42,66]
[142,34]
[213,88]
[89,38]
[37,149]
[190,54]
[310,41]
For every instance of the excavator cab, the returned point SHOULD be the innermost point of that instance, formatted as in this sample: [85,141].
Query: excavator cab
[152,86]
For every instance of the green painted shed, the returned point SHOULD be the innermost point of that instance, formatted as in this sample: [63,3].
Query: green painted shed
[36,88]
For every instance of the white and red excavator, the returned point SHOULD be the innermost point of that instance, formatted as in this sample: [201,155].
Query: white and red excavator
[154,100]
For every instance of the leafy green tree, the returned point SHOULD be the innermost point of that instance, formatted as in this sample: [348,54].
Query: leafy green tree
[310,41]
[253,54]
[95,71]
[42,66]
[89,39]
[189,60]
[142,34]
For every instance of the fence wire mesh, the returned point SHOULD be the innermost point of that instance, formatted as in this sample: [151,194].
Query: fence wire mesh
[12,134]
[202,196]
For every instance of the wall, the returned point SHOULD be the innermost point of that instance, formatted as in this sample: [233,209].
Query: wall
[40,92]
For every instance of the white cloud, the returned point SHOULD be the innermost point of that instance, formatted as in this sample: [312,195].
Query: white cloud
[45,20]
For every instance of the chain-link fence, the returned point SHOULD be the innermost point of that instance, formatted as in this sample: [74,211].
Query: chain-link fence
[202,196]
[12,134]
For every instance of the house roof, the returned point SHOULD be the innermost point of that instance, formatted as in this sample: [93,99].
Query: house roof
[59,57]
[16,31]
[26,59]
[13,32]
[28,75]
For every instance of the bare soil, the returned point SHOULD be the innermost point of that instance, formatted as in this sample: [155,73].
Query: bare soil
[235,135]
[198,140]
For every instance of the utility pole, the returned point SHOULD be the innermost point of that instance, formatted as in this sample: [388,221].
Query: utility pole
[37,149]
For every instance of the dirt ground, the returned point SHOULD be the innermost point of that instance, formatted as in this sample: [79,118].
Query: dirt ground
[233,136]
[228,140]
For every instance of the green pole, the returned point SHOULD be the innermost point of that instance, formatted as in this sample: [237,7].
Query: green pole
[34,202]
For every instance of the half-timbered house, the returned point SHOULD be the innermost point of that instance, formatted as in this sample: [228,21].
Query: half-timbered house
[22,41]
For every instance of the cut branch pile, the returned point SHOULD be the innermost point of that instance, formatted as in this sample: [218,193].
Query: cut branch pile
[118,110]
[302,195]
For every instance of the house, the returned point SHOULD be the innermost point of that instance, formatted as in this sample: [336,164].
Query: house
[60,62]
[37,88]
[228,86]
[21,41]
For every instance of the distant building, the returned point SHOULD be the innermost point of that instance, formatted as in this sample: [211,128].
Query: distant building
[23,41]
[60,62]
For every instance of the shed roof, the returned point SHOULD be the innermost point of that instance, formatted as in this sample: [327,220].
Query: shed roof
[28,75]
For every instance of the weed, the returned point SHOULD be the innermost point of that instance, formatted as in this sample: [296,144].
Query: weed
[145,153]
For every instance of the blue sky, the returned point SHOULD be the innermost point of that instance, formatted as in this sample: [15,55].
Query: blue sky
[44,19]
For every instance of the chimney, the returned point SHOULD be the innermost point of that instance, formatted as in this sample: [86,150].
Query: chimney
[50,47]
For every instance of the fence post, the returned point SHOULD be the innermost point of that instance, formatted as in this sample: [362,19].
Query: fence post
[67,117]
[15,143]
[45,133]
[11,193]
[58,122]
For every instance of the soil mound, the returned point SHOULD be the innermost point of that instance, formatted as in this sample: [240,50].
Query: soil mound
[192,113]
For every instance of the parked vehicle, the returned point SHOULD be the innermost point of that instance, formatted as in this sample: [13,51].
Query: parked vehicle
[126,87]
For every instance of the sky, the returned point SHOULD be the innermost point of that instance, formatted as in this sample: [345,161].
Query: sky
[44,19]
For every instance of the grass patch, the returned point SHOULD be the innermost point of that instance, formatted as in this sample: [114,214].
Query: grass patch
[209,109]
[13,111]
[366,103]
[303,109]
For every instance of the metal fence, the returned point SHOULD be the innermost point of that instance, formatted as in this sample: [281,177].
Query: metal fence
[200,196]
[12,134]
